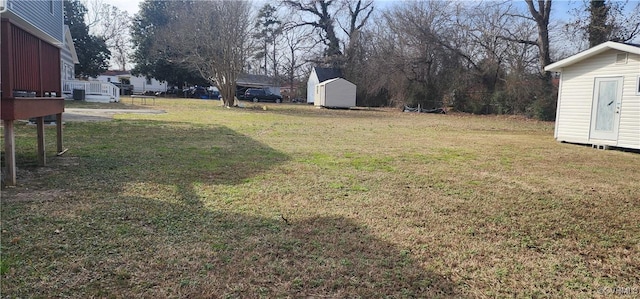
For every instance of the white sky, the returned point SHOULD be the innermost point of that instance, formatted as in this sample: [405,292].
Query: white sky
[559,7]
[130,6]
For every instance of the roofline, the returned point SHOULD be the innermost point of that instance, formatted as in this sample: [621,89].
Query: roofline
[72,47]
[557,66]
[335,79]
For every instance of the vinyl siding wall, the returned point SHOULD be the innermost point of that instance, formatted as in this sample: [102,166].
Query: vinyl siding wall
[139,83]
[336,93]
[311,86]
[38,13]
[67,66]
[576,98]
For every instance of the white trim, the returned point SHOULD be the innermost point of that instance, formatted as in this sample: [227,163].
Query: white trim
[557,66]
[3,6]
[612,135]
[557,122]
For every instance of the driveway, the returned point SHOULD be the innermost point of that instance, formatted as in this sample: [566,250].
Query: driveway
[84,114]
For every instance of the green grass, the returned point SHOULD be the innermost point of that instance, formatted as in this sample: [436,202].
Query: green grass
[293,201]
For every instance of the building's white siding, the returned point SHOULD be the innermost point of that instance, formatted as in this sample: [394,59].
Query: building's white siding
[576,97]
[629,129]
[338,93]
[311,86]
[105,78]
[140,84]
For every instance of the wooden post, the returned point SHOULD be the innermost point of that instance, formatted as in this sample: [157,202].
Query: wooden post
[10,153]
[42,159]
[59,132]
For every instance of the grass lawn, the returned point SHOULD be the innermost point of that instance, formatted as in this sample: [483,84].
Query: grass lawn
[293,201]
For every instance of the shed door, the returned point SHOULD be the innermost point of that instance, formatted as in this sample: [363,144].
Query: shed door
[605,113]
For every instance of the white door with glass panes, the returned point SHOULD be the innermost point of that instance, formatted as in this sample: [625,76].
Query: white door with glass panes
[605,113]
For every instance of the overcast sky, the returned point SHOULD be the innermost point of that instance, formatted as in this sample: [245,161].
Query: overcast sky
[559,7]
[128,5]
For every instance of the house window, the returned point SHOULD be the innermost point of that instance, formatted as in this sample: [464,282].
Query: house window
[638,86]
[148,81]
[51,4]
[108,79]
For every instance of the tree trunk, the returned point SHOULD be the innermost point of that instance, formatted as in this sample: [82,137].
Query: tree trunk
[541,16]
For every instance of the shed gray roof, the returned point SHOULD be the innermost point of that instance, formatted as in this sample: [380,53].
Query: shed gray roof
[325,74]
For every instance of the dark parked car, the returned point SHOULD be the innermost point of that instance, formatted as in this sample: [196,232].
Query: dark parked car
[259,94]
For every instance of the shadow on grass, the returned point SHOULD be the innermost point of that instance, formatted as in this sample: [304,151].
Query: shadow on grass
[145,248]
[101,237]
[168,153]
[108,154]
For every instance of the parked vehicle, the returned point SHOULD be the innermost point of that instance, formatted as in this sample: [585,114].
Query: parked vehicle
[259,94]
[199,93]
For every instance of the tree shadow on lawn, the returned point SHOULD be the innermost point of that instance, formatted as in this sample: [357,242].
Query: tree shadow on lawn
[100,240]
[119,152]
[145,248]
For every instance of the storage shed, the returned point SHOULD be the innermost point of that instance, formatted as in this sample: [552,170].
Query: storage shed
[317,75]
[335,93]
[599,96]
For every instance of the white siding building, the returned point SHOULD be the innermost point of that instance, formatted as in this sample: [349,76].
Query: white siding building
[335,93]
[140,84]
[599,96]
[318,75]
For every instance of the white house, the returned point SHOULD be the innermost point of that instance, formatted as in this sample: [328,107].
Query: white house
[68,56]
[599,96]
[140,84]
[335,93]
[93,91]
[318,75]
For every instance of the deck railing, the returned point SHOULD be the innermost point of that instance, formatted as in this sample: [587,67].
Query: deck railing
[92,88]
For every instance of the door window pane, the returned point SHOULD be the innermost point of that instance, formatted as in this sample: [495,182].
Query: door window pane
[606,105]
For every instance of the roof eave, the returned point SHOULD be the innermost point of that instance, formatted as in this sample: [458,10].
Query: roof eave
[557,66]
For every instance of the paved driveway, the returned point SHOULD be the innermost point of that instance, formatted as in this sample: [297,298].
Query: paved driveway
[83,114]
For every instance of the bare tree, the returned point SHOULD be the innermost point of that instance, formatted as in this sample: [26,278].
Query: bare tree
[296,44]
[418,51]
[599,21]
[328,14]
[359,13]
[111,24]
[215,45]
[325,23]
[541,16]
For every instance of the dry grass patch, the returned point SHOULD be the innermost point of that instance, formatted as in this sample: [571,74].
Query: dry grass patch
[294,201]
